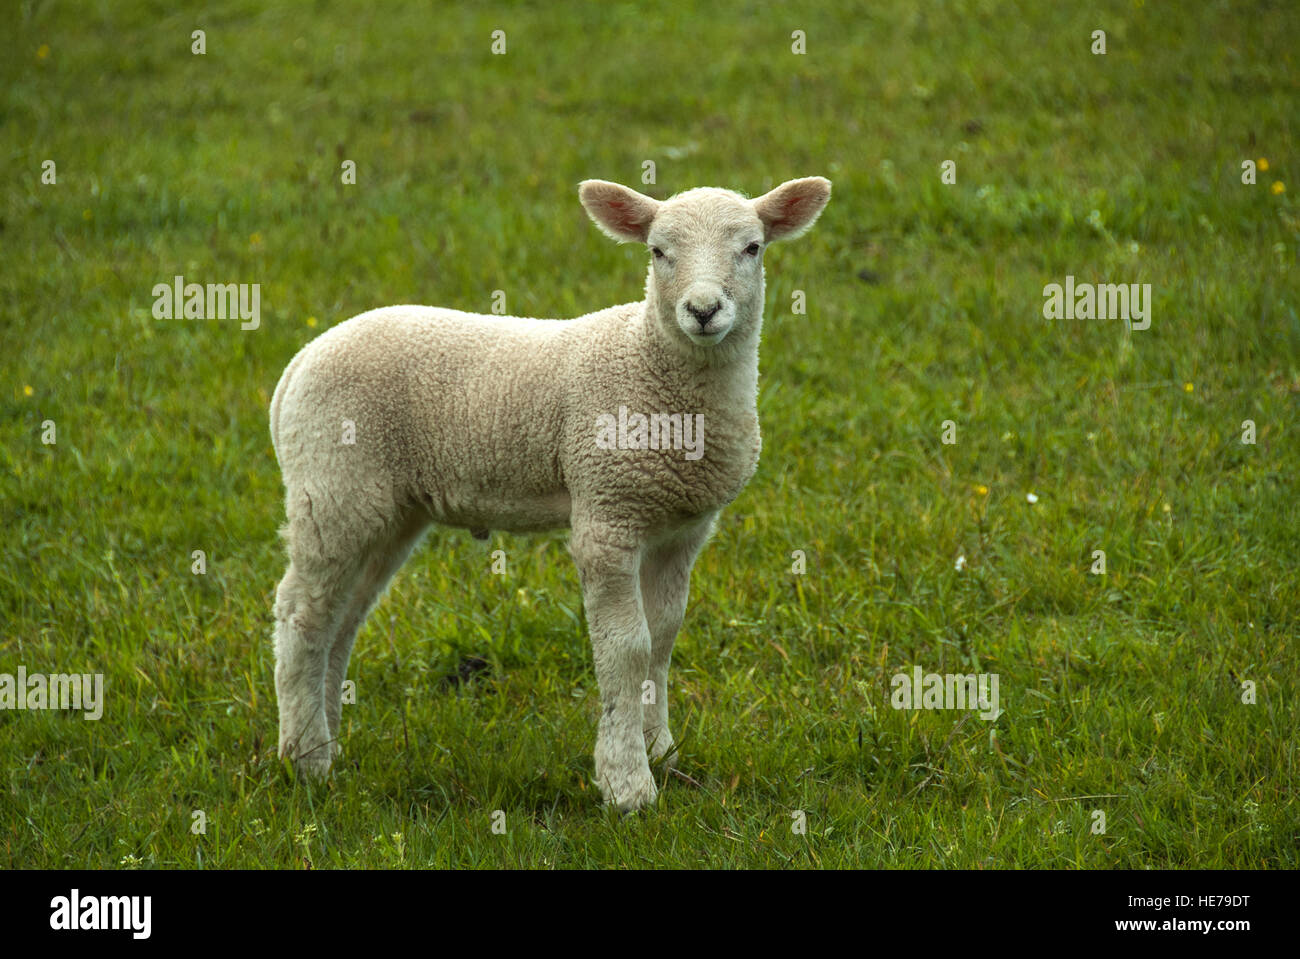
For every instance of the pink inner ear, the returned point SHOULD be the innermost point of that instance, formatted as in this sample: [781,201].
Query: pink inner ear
[789,207]
[622,214]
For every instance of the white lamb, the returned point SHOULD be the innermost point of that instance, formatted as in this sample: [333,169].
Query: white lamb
[410,415]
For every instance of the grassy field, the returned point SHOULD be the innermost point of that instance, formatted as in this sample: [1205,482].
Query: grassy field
[1121,693]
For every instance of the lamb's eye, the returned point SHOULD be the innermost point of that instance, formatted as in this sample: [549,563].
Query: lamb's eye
[752,249]
[659,254]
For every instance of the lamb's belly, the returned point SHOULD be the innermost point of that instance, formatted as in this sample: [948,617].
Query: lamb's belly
[506,511]
[491,470]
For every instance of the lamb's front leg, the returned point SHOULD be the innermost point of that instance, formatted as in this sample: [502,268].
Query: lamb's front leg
[620,643]
[665,586]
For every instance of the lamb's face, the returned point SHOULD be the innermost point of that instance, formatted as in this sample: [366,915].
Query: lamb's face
[706,268]
[706,248]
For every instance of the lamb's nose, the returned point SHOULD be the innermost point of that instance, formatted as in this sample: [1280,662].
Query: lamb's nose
[703,313]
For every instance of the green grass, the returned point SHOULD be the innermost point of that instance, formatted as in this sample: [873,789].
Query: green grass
[1122,693]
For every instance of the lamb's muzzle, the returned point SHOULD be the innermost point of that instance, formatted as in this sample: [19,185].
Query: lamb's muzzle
[408,415]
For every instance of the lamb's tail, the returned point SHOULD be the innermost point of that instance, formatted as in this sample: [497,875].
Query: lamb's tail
[278,398]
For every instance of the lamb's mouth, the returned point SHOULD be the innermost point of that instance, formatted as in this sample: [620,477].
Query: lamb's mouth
[706,336]
[706,327]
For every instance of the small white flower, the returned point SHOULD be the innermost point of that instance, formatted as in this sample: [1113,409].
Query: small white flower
[1030,497]
[961,563]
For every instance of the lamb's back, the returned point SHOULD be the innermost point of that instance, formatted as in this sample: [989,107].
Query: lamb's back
[461,411]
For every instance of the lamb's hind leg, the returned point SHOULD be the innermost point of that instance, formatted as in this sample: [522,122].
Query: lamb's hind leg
[665,586]
[308,607]
[382,563]
[330,541]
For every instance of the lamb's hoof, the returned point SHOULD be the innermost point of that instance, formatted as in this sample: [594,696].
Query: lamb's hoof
[314,764]
[480,533]
[313,770]
[631,792]
[661,747]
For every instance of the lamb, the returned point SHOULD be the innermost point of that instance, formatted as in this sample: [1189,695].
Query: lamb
[409,415]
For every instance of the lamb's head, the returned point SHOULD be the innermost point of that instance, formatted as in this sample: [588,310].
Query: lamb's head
[706,248]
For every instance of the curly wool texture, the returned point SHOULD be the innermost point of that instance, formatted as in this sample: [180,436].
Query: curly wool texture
[410,415]
[489,422]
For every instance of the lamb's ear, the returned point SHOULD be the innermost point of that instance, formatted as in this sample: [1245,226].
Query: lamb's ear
[622,214]
[792,207]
